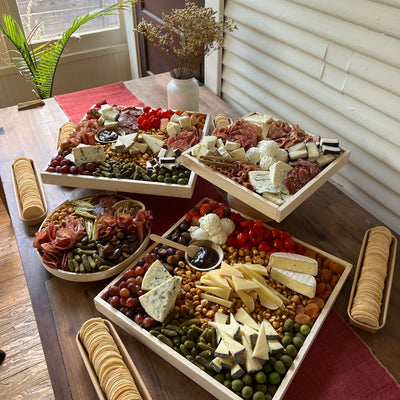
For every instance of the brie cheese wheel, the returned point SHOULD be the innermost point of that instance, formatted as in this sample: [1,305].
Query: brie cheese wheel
[294,262]
[299,282]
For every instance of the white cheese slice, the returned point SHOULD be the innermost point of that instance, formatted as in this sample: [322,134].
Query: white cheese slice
[173,128]
[209,141]
[261,348]
[184,121]
[252,364]
[110,124]
[219,291]
[222,350]
[234,347]
[250,333]
[231,330]
[278,173]
[240,284]
[220,317]
[229,270]
[142,147]
[239,154]
[269,330]
[274,345]
[219,143]
[294,262]
[154,144]
[223,152]
[84,154]
[155,276]
[216,364]
[160,301]
[215,276]
[245,318]
[174,118]
[302,283]
[230,146]
[312,151]
[247,299]
[215,299]
[128,140]
[236,371]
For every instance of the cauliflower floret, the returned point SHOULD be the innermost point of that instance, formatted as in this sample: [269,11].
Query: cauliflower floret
[253,155]
[227,225]
[200,234]
[268,148]
[210,223]
[219,238]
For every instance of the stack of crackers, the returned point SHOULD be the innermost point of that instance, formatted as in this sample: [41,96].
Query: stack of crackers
[367,302]
[114,376]
[28,192]
[221,120]
[65,132]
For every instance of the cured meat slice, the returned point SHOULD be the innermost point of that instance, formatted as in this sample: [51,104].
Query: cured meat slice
[127,119]
[240,132]
[184,139]
[302,173]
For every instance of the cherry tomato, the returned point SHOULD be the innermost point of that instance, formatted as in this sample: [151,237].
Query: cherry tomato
[140,119]
[146,124]
[236,218]
[267,234]
[275,233]
[289,243]
[155,122]
[146,109]
[259,225]
[284,235]
[277,244]
[242,238]
[255,235]
[264,246]
[247,224]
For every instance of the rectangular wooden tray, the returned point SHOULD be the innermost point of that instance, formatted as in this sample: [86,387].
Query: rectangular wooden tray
[201,378]
[257,202]
[125,185]
[126,357]
[31,221]
[386,291]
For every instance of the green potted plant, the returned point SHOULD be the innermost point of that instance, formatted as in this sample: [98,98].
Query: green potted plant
[38,64]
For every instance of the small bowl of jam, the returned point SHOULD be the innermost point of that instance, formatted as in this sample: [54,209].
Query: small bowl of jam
[207,258]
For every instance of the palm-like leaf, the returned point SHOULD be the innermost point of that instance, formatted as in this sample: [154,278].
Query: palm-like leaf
[38,65]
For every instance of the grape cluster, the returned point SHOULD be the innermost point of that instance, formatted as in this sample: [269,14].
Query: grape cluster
[125,296]
[62,165]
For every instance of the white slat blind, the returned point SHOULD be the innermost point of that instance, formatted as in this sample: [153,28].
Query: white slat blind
[333,68]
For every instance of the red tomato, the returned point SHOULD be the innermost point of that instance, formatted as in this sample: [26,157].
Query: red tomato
[284,235]
[255,235]
[277,244]
[264,246]
[242,238]
[146,124]
[275,233]
[258,225]
[155,122]
[267,234]
[146,109]
[247,224]
[140,119]
[289,243]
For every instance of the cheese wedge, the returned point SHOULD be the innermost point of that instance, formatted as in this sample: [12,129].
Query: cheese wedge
[219,291]
[297,281]
[261,348]
[294,262]
[247,299]
[245,318]
[278,173]
[155,276]
[240,284]
[218,300]
[229,270]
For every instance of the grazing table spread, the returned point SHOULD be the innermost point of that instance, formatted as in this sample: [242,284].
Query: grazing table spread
[326,220]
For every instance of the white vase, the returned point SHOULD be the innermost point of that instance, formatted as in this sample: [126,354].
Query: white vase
[183,94]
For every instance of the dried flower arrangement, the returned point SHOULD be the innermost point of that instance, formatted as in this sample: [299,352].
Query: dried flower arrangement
[186,37]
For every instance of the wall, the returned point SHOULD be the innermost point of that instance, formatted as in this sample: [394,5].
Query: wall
[334,69]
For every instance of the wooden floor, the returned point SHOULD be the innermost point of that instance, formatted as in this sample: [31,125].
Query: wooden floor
[23,374]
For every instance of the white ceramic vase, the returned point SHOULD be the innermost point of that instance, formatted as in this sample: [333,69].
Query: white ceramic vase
[183,94]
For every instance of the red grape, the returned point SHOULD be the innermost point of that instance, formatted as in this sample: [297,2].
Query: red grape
[138,318]
[130,302]
[132,287]
[150,258]
[122,301]
[51,169]
[113,290]
[64,169]
[122,285]
[73,169]
[64,162]
[54,162]
[58,169]
[129,274]
[148,323]
[139,271]
[124,292]
[114,301]
[90,166]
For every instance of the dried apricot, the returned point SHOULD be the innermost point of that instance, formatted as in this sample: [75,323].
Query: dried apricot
[326,275]
[337,268]
[299,309]
[334,280]
[318,301]
[312,309]
[320,288]
[302,318]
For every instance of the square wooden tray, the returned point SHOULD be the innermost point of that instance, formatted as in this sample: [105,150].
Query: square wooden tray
[386,291]
[202,378]
[255,201]
[125,356]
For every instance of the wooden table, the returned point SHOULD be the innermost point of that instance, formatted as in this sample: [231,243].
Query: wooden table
[328,220]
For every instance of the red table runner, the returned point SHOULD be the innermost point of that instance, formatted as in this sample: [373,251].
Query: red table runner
[76,104]
[339,365]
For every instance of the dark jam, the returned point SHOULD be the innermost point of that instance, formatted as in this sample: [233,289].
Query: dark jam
[205,258]
[108,136]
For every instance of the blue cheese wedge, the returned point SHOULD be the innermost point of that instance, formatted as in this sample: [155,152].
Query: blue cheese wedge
[294,262]
[155,276]
[278,173]
[302,283]
[84,154]
[160,301]
[261,182]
